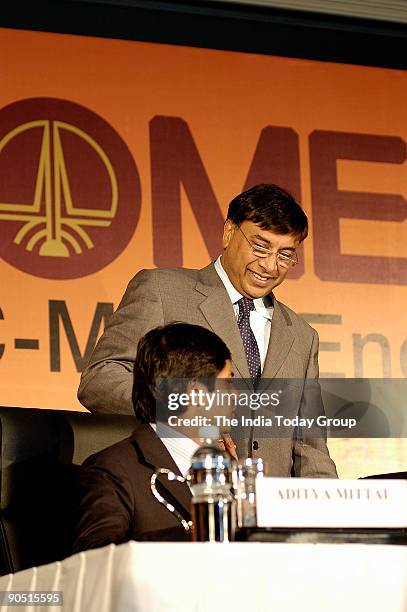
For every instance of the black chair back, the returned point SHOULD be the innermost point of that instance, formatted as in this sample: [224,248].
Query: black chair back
[40,453]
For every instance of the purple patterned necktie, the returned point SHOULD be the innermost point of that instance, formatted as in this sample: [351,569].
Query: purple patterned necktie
[249,341]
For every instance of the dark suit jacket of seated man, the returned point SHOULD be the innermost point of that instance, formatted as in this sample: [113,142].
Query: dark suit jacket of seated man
[117,504]
[264,227]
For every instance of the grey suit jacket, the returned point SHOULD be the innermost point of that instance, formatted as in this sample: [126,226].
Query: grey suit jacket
[161,296]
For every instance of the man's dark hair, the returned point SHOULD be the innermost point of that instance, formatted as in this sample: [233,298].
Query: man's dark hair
[272,208]
[174,351]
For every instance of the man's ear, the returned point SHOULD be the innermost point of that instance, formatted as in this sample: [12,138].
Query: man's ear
[197,386]
[228,231]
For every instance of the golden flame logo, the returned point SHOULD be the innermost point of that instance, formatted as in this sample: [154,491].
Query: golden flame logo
[70,192]
[56,229]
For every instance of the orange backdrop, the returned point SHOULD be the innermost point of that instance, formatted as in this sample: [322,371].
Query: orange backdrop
[119,155]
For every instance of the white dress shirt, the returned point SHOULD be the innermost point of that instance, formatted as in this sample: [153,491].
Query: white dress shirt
[180,448]
[260,318]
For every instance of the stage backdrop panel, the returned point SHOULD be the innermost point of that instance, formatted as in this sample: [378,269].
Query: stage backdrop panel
[117,156]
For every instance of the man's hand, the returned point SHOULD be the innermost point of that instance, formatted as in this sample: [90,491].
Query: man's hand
[229,445]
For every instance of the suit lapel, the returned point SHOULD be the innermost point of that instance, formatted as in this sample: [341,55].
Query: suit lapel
[281,340]
[219,314]
[152,452]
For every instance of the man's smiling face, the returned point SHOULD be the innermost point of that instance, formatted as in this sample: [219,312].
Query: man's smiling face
[252,276]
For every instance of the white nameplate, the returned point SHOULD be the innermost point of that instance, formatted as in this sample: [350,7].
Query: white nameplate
[323,502]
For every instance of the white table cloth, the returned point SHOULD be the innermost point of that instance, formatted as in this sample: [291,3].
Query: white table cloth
[183,577]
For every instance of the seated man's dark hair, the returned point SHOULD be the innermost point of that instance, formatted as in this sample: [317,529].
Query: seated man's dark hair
[272,208]
[179,351]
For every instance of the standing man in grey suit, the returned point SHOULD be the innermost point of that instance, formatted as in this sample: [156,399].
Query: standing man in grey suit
[232,297]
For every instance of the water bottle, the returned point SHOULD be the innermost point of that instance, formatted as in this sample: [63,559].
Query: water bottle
[213,504]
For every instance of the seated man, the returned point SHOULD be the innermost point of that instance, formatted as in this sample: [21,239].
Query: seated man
[117,504]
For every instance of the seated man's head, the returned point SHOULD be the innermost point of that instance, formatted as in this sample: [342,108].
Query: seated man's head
[176,351]
[263,229]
